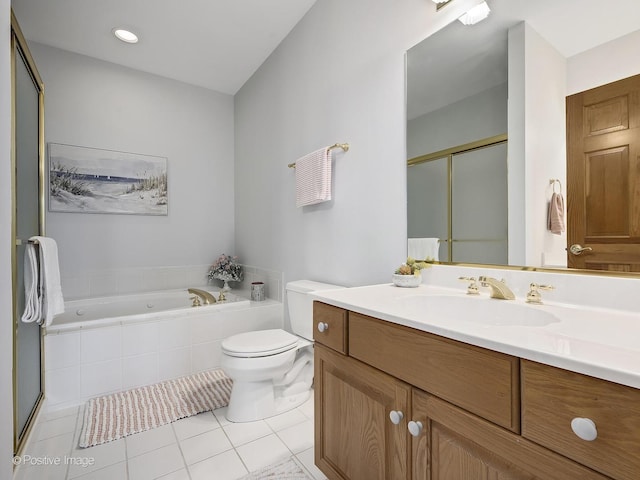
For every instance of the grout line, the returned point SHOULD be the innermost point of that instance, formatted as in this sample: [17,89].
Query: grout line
[178,441]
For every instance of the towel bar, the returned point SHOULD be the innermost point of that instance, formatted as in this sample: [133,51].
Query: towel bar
[19,242]
[343,146]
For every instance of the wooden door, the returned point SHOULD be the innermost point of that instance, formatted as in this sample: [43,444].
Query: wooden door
[603,176]
[354,436]
[456,445]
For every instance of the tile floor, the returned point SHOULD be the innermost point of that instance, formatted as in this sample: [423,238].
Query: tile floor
[204,446]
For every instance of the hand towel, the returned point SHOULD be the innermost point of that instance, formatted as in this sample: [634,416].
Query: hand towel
[555,217]
[313,178]
[423,248]
[47,300]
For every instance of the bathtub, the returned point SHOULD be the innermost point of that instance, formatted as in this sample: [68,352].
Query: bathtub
[101,311]
[108,344]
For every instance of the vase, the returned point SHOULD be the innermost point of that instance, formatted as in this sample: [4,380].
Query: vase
[226,278]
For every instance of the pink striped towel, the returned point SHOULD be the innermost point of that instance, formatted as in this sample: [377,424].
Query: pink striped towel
[313,178]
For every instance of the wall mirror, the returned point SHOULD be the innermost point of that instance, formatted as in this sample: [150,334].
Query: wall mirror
[486,125]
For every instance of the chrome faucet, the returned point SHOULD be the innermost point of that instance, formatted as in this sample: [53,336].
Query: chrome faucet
[498,288]
[206,297]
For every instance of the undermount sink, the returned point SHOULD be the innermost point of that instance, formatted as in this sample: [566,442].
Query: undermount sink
[475,309]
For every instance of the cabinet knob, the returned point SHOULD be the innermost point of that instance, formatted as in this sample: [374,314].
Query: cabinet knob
[415,428]
[396,416]
[584,428]
[322,327]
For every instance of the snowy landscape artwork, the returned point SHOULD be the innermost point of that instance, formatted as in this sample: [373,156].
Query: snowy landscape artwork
[92,180]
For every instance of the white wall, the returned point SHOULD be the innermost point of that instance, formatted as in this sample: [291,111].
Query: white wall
[537,144]
[545,143]
[6,298]
[338,77]
[93,103]
[607,63]
[473,118]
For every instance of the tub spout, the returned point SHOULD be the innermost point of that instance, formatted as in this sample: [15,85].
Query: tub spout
[206,297]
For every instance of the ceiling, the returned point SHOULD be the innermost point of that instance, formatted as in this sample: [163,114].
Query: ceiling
[216,44]
[477,55]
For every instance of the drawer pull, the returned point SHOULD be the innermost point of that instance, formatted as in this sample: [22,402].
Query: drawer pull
[415,428]
[396,416]
[584,428]
[323,327]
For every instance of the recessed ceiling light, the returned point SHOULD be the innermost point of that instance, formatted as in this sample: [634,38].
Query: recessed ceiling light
[125,35]
[476,14]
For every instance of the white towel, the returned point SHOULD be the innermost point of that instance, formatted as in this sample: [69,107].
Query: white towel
[313,178]
[423,248]
[43,291]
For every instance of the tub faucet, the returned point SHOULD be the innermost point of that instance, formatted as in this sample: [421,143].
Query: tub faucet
[498,288]
[206,297]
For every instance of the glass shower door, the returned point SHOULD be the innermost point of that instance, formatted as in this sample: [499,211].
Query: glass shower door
[28,221]
[479,206]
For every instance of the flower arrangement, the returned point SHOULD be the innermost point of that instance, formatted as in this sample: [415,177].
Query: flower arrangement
[226,268]
[411,267]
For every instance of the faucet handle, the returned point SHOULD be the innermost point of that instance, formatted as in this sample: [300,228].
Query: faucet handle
[472,288]
[195,301]
[534,296]
[221,297]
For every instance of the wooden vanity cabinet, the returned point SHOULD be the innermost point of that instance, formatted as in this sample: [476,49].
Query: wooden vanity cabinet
[354,437]
[552,398]
[454,444]
[374,421]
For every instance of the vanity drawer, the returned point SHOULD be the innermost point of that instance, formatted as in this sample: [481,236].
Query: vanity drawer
[330,326]
[552,398]
[481,381]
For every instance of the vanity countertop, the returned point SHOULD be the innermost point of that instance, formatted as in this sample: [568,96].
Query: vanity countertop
[602,343]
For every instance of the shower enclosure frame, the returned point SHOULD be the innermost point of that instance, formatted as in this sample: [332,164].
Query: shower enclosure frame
[21,57]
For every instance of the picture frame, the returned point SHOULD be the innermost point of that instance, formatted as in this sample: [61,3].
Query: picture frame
[94,180]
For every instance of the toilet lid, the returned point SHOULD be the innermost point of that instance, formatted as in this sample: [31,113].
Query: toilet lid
[261,343]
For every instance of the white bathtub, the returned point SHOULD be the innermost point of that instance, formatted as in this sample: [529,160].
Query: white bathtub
[105,345]
[101,311]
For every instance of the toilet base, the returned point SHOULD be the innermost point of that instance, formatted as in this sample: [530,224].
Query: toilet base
[252,401]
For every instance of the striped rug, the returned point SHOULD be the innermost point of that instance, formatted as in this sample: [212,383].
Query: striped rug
[120,414]
[287,469]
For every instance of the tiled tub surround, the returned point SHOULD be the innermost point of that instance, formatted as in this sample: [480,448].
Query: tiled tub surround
[125,281]
[90,359]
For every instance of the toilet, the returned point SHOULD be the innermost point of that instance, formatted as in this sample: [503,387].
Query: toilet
[272,370]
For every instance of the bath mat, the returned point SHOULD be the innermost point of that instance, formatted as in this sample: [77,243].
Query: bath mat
[120,414]
[286,470]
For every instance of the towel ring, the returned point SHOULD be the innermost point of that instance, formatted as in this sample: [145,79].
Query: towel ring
[553,182]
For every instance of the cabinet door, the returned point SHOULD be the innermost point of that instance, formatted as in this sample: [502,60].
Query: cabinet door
[354,436]
[456,445]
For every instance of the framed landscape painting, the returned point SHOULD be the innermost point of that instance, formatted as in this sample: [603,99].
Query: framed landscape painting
[92,180]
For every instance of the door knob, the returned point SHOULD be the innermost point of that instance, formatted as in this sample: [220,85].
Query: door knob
[577,249]
[414,428]
[323,327]
[396,416]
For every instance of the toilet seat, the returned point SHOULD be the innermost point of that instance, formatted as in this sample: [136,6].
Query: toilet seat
[262,343]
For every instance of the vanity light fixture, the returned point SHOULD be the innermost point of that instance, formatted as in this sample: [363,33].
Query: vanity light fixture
[441,3]
[476,14]
[125,35]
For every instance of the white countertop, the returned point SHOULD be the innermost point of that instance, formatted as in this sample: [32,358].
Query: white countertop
[602,343]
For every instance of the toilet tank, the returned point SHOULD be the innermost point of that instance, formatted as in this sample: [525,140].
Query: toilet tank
[301,305]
